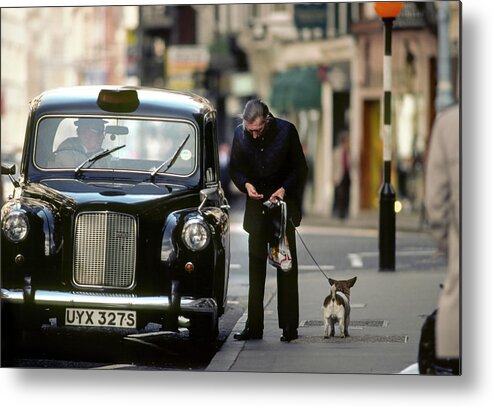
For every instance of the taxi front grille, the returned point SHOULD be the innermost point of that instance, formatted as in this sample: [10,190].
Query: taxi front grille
[105,250]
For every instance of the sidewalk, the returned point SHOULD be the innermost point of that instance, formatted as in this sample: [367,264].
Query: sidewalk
[369,219]
[405,221]
[387,312]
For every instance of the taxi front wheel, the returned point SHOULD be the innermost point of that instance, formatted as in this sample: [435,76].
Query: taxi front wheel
[204,327]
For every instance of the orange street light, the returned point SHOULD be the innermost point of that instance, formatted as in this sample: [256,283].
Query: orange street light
[387,11]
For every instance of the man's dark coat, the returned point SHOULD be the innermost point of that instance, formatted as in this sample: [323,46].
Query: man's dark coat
[273,160]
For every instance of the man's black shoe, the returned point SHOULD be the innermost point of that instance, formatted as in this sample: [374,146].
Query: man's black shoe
[246,334]
[288,336]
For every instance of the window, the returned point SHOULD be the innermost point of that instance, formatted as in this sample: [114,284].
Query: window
[140,145]
[211,156]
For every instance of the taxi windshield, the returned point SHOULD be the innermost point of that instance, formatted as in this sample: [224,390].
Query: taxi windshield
[121,144]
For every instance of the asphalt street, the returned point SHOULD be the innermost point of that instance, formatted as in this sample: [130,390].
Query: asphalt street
[388,310]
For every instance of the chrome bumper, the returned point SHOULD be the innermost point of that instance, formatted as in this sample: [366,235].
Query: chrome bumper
[113,301]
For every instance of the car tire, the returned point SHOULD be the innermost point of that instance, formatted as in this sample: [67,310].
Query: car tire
[219,286]
[204,327]
[9,337]
[15,332]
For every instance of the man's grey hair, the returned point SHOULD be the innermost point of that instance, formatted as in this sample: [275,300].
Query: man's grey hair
[253,109]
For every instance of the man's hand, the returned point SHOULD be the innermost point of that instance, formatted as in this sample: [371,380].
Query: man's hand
[252,192]
[279,194]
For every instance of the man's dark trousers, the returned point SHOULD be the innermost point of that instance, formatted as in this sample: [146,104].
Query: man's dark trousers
[287,284]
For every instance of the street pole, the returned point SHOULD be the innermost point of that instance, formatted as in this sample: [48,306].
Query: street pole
[388,11]
[386,236]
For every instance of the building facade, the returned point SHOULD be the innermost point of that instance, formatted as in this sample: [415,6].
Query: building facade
[49,47]
[319,65]
[14,73]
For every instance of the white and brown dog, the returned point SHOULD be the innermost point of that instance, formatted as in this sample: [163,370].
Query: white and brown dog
[337,307]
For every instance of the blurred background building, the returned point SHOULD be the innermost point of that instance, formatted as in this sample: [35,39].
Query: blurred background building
[316,64]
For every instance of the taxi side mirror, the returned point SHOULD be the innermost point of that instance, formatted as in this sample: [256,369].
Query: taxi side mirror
[8,169]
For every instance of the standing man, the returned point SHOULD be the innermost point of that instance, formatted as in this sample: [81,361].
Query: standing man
[442,201]
[267,163]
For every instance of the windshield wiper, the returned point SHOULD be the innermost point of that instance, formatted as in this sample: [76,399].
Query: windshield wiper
[92,159]
[169,161]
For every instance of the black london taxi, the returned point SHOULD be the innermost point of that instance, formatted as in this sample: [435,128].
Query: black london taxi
[118,218]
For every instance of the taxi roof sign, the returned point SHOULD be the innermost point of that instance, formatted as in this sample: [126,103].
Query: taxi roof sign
[118,100]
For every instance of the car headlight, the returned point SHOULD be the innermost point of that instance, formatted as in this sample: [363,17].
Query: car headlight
[15,226]
[196,234]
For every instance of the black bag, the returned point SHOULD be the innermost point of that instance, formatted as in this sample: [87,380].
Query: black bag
[279,254]
[427,360]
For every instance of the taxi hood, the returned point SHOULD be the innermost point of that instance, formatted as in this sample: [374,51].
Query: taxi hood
[73,192]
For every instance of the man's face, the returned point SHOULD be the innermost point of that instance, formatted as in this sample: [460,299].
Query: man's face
[91,139]
[256,127]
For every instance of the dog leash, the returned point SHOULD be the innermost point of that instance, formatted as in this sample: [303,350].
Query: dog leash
[270,205]
[308,250]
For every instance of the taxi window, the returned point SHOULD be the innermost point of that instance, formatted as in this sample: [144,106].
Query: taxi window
[139,145]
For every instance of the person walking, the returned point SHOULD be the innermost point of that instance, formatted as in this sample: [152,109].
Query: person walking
[224,153]
[442,202]
[267,163]
[341,175]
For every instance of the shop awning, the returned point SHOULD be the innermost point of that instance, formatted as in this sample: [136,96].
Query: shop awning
[296,89]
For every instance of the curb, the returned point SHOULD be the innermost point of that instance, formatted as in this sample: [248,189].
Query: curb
[227,355]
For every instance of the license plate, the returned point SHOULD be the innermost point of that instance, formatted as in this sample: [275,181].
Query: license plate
[99,317]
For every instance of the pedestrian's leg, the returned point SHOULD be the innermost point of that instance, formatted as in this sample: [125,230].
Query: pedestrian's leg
[336,205]
[345,194]
[287,288]
[257,256]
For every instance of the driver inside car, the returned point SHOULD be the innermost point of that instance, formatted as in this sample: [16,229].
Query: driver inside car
[75,150]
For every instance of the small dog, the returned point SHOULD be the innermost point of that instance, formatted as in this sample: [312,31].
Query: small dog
[337,308]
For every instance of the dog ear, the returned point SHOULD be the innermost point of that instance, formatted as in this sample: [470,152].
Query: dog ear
[331,281]
[352,281]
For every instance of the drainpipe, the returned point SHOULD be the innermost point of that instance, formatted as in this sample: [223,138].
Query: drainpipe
[444,97]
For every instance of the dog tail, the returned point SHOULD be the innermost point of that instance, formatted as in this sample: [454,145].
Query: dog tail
[331,296]
[333,291]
